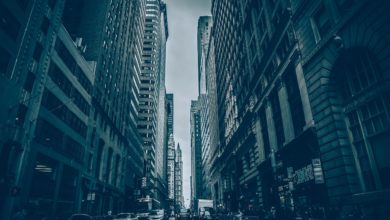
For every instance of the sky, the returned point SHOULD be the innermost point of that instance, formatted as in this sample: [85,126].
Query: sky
[182,72]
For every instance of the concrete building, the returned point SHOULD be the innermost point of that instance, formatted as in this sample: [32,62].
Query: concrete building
[179,198]
[152,87]
[196,153]
[44,110]
[344,64]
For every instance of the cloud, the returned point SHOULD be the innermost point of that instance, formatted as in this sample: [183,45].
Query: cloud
[182,72]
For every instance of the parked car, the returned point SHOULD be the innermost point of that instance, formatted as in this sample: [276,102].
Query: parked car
[126,216]
[143,216]
[80,217]
[157,214]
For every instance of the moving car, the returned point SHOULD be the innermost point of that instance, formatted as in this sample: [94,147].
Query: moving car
[184,214]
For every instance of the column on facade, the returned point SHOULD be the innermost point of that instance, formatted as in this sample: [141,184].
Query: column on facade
[271,126]
[259,140]
[287,121]
[304,95]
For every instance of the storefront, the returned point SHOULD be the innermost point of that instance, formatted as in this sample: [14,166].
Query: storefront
[299,176]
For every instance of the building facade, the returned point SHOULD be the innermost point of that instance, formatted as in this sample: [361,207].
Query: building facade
[43,124]
[296,76]
[344,63]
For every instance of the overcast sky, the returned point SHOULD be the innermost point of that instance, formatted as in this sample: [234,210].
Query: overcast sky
[182,72]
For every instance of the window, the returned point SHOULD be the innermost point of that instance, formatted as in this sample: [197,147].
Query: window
[37,52]
[29,83]
[277,116]
[8,23]
[321,23]
[21,115]
[294,99]
[367,118]
[45,25]
[90,162]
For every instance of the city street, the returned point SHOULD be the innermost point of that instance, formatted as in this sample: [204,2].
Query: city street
[194,109]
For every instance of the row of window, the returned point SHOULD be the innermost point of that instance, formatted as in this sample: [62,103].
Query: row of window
[52,137]
[66,86]
[72,65]
[55,106]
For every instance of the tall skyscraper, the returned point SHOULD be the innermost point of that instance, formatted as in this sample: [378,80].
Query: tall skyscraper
[112,42]
[196,153]
[179,199]
[204,31]
[213,181]
[162,126]
[152,87]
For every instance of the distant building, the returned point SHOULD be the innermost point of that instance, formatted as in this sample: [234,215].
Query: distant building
[204,31]
[170,112]
[171,172]
[196,152]
[179,199]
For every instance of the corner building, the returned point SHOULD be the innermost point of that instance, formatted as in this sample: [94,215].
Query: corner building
[345,64]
